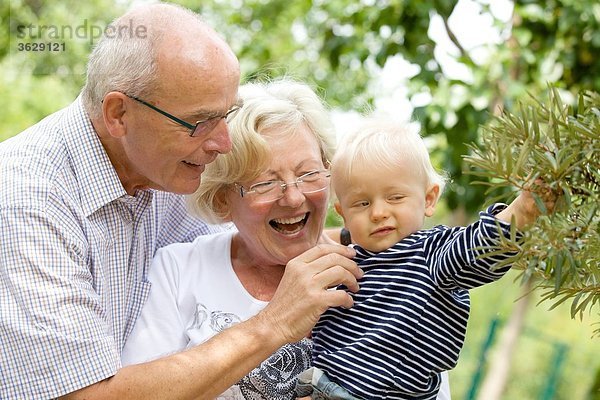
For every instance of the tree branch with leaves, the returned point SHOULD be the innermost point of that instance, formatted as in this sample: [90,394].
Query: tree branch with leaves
[550,147]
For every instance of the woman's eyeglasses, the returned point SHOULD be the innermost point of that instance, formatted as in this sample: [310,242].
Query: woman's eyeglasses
[268,191]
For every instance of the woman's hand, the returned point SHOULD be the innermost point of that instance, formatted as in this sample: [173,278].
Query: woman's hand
[306,290]
[330,236]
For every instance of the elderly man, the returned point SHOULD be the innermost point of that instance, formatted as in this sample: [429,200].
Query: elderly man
[87,196]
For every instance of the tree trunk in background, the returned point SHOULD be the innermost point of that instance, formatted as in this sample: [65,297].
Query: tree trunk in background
[459,217]
[497,376]
[498,373]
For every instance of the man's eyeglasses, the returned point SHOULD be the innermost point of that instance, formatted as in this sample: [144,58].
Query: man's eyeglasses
[268,191]
[200,127]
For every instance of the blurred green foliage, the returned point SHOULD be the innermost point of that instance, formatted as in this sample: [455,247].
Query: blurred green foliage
[36,83]
[339,46]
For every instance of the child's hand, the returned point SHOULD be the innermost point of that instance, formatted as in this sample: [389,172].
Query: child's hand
[524,207]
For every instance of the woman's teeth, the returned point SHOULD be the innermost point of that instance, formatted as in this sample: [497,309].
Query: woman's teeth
[289,220]
[289,225]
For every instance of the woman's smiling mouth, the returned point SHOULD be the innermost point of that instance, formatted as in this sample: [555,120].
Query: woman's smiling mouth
[289,226]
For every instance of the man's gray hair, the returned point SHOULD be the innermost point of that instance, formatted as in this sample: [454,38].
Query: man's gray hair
[126,60]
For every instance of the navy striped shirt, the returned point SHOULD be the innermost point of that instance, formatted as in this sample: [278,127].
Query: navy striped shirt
[409,318]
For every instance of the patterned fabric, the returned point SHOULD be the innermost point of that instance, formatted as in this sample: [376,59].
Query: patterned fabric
[75,255]
[409,318]
[275,378]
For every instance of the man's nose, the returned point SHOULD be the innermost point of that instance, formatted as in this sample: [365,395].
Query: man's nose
[219,139]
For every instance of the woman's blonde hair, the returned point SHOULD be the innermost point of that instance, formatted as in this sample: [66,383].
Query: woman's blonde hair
[277,106]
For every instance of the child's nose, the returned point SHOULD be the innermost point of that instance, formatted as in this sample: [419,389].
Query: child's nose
[379,211]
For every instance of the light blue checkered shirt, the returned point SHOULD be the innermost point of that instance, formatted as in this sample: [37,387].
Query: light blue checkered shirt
[74,256]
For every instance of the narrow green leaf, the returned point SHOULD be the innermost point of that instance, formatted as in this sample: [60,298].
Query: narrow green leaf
[558,270]
[550,157]
[575,303]
[540,203]
[559,302]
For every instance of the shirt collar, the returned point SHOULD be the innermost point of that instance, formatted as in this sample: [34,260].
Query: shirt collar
[98,181]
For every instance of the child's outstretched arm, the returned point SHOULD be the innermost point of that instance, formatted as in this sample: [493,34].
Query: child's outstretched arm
[524,209]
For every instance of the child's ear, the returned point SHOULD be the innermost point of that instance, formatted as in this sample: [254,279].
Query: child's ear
[431,197]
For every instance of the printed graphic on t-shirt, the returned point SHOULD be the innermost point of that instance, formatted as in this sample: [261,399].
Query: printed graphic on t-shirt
[218,320]
[274,378]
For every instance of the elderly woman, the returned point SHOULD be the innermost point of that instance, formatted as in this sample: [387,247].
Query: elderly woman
[274,187]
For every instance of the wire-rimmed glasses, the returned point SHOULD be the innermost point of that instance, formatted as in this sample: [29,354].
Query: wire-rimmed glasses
[273,190]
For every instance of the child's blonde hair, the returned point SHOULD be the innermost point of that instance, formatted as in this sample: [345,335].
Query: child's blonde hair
[382,142]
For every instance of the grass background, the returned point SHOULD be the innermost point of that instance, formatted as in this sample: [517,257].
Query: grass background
[532,360]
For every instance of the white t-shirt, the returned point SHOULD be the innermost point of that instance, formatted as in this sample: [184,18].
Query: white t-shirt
[196,294]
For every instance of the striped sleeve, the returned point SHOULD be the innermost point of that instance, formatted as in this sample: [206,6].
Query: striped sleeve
[458,257]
